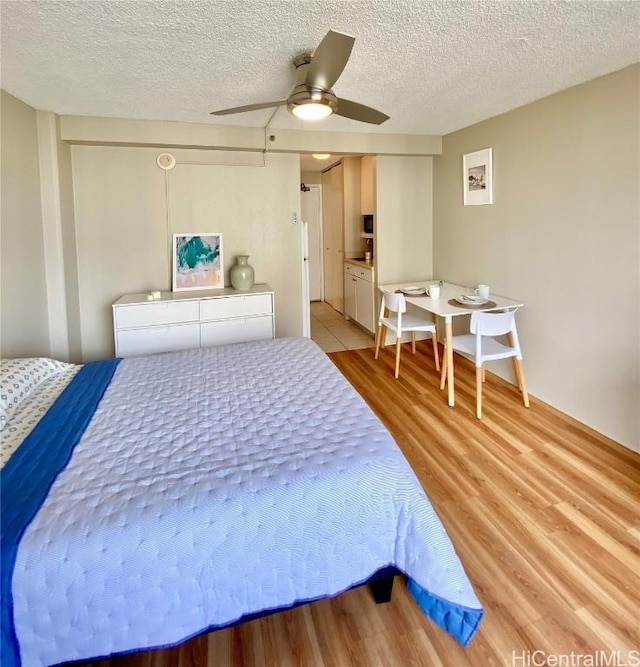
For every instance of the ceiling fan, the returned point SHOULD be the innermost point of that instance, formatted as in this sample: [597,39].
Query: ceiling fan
[311,97]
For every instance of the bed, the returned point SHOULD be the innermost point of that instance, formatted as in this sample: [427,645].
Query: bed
[163,496]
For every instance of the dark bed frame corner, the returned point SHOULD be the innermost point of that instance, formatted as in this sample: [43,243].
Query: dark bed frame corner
[381,584]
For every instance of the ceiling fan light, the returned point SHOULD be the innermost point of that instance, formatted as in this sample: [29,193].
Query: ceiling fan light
[311,110]
[311,103]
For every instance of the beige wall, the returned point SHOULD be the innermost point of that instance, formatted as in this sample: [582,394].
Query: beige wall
[563,235]
[24,329]
[126,210]
[253,206]
[121,235]
[311,177]
[353,243]
[111,212]
[403,218]
[69,246]
[83,129]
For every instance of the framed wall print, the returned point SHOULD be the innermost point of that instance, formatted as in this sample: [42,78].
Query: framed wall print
[477,177]
[197,261]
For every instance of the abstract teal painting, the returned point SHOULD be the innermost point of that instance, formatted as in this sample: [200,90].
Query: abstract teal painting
[197,261]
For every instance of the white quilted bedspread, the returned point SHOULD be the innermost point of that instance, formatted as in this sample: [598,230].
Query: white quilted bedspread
[215,483]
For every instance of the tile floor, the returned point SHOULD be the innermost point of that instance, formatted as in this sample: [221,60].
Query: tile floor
[333,333]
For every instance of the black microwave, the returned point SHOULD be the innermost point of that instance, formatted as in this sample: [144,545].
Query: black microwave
[367,223]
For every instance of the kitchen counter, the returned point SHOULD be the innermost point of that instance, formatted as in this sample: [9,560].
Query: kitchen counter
[360,261]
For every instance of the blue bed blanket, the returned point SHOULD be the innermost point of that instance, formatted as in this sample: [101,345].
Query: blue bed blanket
[211,484]
[28,475]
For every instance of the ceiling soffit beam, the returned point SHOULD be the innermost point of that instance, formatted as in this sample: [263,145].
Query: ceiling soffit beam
[92,130]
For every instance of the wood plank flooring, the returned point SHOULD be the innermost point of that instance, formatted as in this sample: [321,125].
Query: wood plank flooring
[542,510]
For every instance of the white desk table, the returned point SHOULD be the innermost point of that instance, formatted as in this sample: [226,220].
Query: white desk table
[442,308]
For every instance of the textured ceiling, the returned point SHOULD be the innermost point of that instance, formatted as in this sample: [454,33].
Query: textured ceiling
[434,66]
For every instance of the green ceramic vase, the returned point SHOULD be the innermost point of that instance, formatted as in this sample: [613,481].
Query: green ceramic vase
[242,274]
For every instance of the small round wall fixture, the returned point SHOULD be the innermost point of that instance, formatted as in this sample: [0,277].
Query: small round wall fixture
[166,161]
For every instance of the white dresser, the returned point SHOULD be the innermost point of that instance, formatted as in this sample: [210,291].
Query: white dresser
[184,320]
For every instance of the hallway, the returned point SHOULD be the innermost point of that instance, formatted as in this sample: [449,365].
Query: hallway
[333,333]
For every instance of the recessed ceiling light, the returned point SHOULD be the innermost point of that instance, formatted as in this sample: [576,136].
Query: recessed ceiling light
[321,156]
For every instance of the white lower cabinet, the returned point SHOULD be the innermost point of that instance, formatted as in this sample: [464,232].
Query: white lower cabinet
[350,291]
[187,320]
[359,295]
[365,305]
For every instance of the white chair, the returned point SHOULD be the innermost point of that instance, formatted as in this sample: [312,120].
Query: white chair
[481,346]
[396,319]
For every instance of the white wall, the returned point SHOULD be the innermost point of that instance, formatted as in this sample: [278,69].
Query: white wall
[24,329]
[563,235]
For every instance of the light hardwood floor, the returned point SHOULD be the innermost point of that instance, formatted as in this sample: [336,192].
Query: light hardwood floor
[542,510]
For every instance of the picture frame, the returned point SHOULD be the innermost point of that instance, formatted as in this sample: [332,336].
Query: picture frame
[197,261]
[477,177]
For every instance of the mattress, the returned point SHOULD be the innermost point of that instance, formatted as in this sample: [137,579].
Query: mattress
[214,483]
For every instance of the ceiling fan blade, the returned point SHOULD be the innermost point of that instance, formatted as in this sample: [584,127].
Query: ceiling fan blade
[356,111]
[329,60]
[248,107]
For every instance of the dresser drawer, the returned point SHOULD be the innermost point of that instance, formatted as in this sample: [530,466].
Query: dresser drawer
[236,306]
[162,312]
[239,330]
[131,342]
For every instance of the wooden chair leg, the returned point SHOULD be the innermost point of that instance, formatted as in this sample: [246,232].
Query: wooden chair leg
[398,344]
[516,369]
[479,392]
[434,339]
[484,373]
[413,342]
[443,375]
[523,384]
[379,339]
